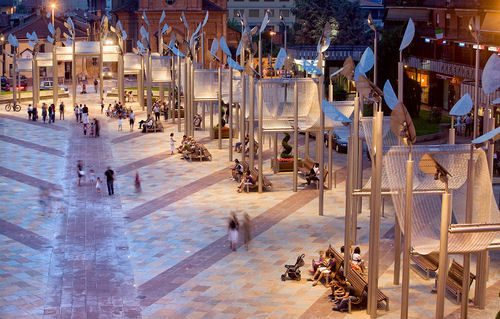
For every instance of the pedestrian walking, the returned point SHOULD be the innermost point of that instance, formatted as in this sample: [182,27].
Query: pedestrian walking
[97,127]
[156,110]
[44,112]
[131,120]
[120,123]
[61,111]
[30,112]
[80,113]
[172,144]
[85,113]
[137,183]
[247,230]
[92,176]
[95,85]
[35,113]
[110,178]
[76,109]
[102,105]
[233,229]
[92,129]
[98,184]
[52,113]
[81,172]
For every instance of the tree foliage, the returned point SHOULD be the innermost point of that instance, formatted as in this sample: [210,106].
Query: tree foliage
[345,17]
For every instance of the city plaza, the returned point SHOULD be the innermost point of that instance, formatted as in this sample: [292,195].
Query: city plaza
[164,252]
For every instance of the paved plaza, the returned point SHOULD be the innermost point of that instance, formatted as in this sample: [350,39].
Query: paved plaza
[163,252]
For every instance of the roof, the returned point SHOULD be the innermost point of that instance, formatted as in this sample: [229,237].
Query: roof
[371,4]
[39,25]
[208,5]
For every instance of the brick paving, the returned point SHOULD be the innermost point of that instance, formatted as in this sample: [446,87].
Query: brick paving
[24,236]
[30,145]
[38,123]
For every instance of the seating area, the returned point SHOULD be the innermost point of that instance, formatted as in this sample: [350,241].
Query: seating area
[250,183]
[353,288]
[428,263]
[455,279]
[192,150]
[305,168]
[156,126]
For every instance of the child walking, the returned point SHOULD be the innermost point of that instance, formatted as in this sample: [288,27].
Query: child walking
[172,144]
[120,123]
[98,184]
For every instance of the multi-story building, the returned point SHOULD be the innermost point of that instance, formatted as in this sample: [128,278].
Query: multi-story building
[130,14]
[442,55]
[254,11]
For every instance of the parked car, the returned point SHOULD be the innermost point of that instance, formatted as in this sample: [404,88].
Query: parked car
[107,73]
[46,85]
[340,139]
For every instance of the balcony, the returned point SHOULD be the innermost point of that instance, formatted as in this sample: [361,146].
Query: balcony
[447,68]
[334,53]
[462,4]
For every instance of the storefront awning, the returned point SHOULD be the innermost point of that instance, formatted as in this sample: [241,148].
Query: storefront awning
[491,22]
[403,14]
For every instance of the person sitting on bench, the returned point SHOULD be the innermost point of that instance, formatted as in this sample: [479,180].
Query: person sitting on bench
[238,148]
[313,174]
[237,170]
[248,180]
[148,120]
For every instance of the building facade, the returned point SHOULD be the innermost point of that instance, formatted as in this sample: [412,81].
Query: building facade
[442,55]
[254,11]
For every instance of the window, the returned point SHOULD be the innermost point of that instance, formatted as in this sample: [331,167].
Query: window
[254,0]
[285,13]
[42,48]
[94,61]
[253,13]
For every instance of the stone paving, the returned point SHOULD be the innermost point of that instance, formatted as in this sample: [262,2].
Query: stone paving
[163,252]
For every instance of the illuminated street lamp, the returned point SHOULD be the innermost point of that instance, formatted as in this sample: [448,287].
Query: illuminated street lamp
[474,29]
[372,26]
[53,8]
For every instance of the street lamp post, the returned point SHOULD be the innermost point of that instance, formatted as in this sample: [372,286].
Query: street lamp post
[372,26]
[285,27]
[271,33]
[2,42]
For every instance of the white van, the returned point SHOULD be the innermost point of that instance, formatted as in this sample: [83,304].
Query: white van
[46,85]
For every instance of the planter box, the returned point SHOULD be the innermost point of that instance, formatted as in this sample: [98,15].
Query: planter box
[224,132]
[284,166]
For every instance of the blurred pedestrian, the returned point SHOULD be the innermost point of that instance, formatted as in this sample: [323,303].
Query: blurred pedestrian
[137,183]
[98,184]
[80,171]
[131,120]
[110,178]
[44,112]
[34,117]
[172,144]
[30,112]
[76,109]
[120,123]
[61,111]
[247,229]
[233,229]
[97,127]
[95,85]
[102,105]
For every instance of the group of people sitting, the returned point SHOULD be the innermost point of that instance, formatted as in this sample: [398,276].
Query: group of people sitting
[242,176]
[238,147]
[117,110]
[331,271]
[191,148]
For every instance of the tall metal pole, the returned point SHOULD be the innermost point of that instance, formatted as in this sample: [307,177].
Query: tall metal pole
[101,66]
[407,237]
[251,118]
[476,80]
[73,73]
[443,252]
[186,95]
[260,132]
[260,55]
[121,75]
[320,138]
[375,69]
[295,134]
[140,84]
[374,240]
[173,88]
[468,219]
[330,146]
[231,122]
[179,98]
[219,97]
[55,71]
[400,77]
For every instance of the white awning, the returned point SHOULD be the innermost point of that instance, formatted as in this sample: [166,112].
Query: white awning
[132,63]
[491,22]
[87,47]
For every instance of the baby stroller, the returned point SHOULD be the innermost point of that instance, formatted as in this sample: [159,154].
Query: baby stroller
[293,271]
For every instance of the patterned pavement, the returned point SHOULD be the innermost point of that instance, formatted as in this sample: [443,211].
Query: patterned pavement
[163,252]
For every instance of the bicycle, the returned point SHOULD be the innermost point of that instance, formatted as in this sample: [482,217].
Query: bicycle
[11,106]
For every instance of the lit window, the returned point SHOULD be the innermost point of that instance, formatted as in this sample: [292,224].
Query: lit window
[253,13]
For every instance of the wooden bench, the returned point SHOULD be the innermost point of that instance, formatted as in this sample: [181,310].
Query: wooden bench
[266,184]
[233,172]
[357,280]
[201,153]
[306,166]
[455,279]
[224,132]
[428,263]
[156,127]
